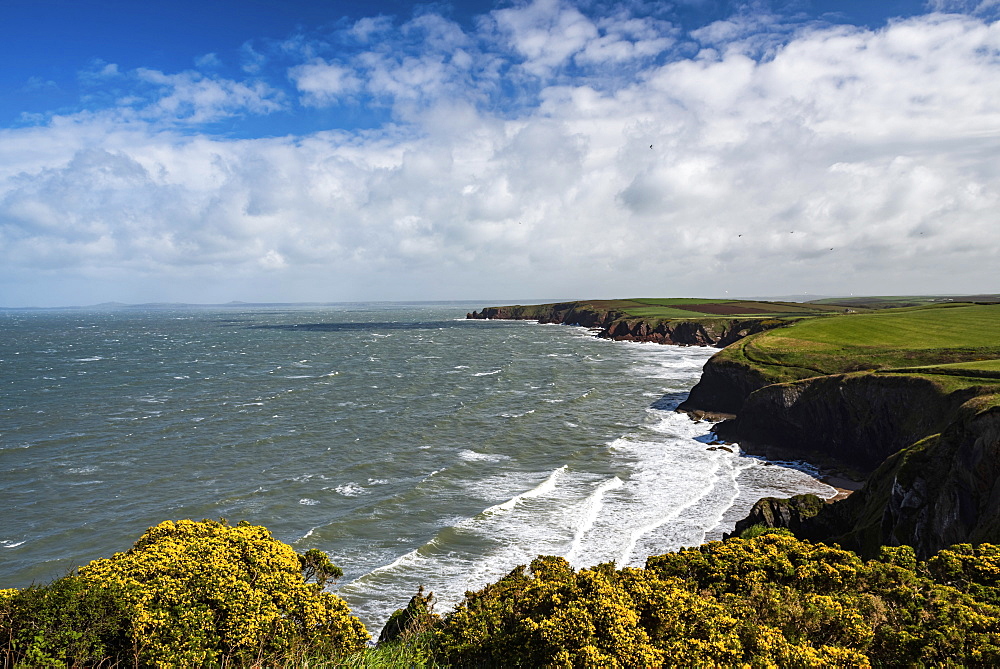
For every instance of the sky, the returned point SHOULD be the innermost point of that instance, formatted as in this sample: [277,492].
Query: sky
[339,150]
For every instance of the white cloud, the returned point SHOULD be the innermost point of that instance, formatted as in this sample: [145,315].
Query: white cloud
[369,28]
[191,97]
[849,160]
[324,83]
[547,33]
[208,61]
[964,6]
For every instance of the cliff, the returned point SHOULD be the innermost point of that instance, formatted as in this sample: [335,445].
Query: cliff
[695,330]
[857,420]
[942,490]
[776,512]
[929,439]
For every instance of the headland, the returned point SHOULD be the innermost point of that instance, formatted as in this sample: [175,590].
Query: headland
[900,393]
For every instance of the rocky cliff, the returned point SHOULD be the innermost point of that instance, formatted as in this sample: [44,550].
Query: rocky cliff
[855,419]
[616,325]
[777,512]
[932,447]
[942,490]
[568,313]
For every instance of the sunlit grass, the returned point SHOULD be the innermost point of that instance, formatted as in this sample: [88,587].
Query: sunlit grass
[884,340]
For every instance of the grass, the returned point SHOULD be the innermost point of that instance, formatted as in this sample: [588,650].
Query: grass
[399,654]
[654,312]
[976,369]
[697,308]
[909,338]
[893,301]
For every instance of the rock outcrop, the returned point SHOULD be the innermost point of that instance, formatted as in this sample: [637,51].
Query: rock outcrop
[567,313]
[724,387]
[777,512]
[707,332]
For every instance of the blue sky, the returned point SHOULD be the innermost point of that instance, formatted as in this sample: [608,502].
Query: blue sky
[340,151]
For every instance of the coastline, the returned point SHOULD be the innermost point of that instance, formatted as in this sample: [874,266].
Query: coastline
[837,475]
[916,417]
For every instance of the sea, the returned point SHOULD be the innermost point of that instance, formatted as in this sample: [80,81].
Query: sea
[415,447]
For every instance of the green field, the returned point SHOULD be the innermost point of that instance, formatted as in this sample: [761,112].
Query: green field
[896,301]
[892,339]
[977,369]
[697,308]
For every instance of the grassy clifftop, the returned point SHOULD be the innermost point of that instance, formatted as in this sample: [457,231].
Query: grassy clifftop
[686,321]
[888,339]
[912,393]
[670,308]
[953,340]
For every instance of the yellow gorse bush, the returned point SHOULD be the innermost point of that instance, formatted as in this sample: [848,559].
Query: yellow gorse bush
[770,601]
[203,592]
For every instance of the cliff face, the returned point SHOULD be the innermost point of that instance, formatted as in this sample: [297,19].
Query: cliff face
[708,331]
[568,313]
[776,512]
[935,452]
[711,332]
[857,419]
[944,490]
[724,387]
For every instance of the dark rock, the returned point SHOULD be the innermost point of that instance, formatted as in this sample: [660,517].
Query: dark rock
[855,419]
[417,617]
[775,512]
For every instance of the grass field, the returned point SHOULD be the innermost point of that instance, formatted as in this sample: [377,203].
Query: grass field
[896,301]
[892,339]
[977,369]
[698,308]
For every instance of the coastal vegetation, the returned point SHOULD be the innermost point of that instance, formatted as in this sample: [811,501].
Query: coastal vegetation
[772,600]
[186,594]
[203,593]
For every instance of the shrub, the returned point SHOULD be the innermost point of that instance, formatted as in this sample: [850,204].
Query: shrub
[772,600]
[187,593]
[67,622]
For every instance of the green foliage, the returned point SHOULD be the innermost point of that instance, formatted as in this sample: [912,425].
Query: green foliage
[67,622]
[188,594]
[410,653]
[316,567]
[768,601]
[761,529]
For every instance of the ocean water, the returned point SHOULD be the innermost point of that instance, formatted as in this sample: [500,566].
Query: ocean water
[414,446]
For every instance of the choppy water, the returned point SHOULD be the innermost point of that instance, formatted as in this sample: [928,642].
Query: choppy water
[417,448]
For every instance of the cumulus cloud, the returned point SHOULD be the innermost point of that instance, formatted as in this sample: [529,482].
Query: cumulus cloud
[192,97]
[547,33]
[323,83]
[845,160]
